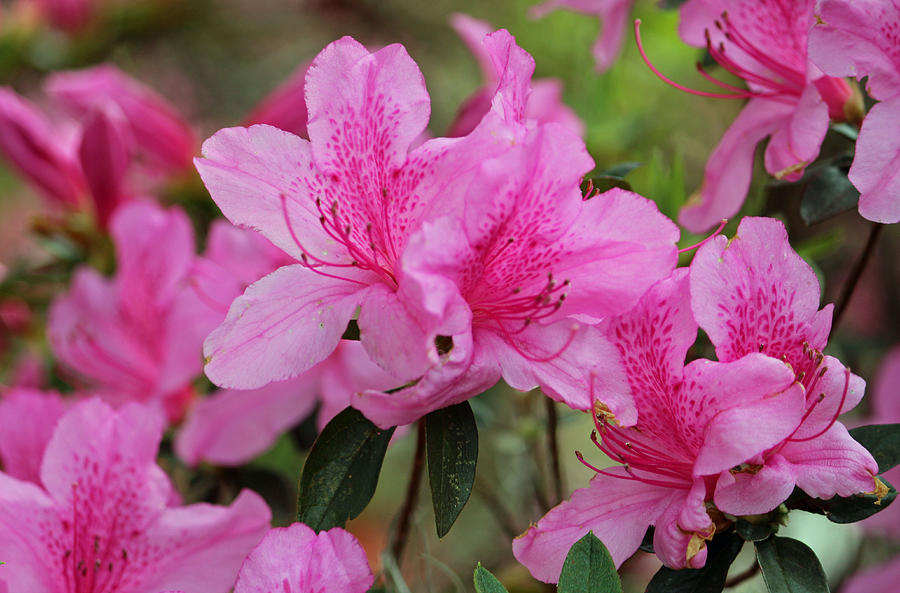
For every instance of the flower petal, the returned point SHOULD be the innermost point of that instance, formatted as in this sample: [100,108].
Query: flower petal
[876,167]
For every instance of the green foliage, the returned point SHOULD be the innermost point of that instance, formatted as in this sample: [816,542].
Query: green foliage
[754,532]
[882,441]
[341,472]
[839,509]
[790,566]
[828,192]
[589,568]
[721,552]
[451,439]
[485,582]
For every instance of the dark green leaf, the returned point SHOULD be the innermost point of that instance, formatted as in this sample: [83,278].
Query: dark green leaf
[670,4]
[828,192]
[451,439]
[882,441]
[647,542]
[620,170]
[485,582]
[754,532]
[710,579]
[789,566]
[341,472]
[840,509]
[352,331]
[610,178]
[846,130]
[589,568]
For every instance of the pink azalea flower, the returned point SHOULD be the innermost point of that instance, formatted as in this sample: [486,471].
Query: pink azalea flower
[378,229]
[299,560]
[857,39]
[99,521]
[161,133]
[138,336]
[765,44]
[613,16]
[734,436]
[544,103]
[27,420]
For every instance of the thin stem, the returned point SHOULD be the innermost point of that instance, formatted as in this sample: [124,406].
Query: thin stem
[499,512]
[412,494]
[743,576]
[553,449]
[855,274]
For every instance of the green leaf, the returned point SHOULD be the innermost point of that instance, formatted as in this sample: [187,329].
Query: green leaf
[882,441]
[352,331]
[753,532]
[670,4]
[485,582]
[620,170]
[341,472]
[839,509]
[451,442]
[828,192]
[789,566]
[722,551]
[589,568]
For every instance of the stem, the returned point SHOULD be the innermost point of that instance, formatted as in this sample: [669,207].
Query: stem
[743,576]
[553,449]
[499,512]
[855,274]
[412,494]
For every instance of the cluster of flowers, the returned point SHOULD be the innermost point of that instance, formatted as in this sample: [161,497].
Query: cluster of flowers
[461,260]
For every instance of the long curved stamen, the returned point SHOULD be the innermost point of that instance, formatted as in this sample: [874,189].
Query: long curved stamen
[837,411]
[672,83]
[714,234]
[549,357]
[733,34]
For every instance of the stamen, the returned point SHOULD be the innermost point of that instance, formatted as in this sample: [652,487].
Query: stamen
[837,411]
[548,358]
[714,234]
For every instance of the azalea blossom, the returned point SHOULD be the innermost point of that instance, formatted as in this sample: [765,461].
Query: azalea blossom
[734,436]
[544,103]
[378,229]
[100,520]
[613,15]
[857,39]
[138,336]
[296,559]
[790,101]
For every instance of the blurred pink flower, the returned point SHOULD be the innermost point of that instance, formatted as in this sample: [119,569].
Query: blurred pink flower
[284,107]
[137,337]
[100,518]
[740,433]
[27,420]
[613,16]
[296,559]
[160,133]
[68,15]
[544,103]
[765,44]
[858,39]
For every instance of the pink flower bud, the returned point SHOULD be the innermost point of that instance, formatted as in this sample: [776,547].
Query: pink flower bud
[105,153]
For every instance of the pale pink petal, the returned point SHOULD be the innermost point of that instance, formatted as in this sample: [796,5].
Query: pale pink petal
[876,167]
[756,294]
[856,39]
[199,548]
[247,256]
[730,166]
[723,403]
[27,420]
[283,325]
[256,176]
[297,559]
[514,67]
[161,132]
[756,491]
[832,464]
[618,511]
[383,95]
[684,519]
[834,388]
[231,427]
[25,546]
[797,144]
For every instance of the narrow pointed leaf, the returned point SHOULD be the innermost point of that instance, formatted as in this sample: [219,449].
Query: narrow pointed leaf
[341,472]
[828,192]
[485,582]
[451,443]
[790,566]
[882,441]
[589,568]
[709,579]
[839,509]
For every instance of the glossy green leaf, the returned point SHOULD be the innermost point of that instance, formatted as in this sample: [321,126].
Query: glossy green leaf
[341,472]
[710,579]
[485,582]
[451,443]
[790,566]
[754,532]
[882,441]
[828,192]
[589,568]
[840,509]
